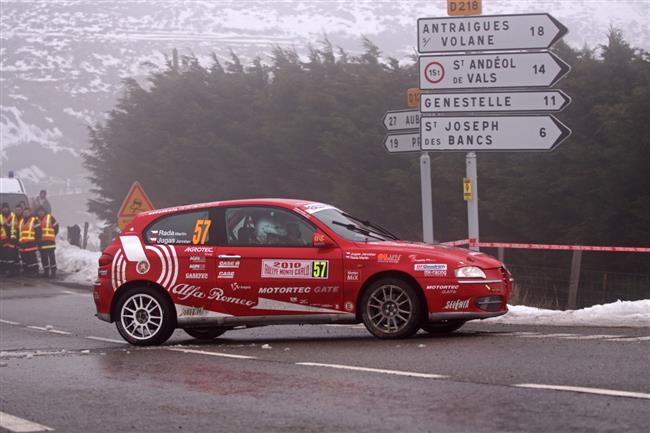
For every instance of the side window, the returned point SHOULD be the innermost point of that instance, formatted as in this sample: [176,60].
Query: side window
[191,228]
[267,226]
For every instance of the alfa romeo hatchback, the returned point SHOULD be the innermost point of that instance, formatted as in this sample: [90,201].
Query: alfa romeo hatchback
[213,267]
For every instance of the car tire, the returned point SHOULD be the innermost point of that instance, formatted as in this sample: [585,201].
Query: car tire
[391,308]
[442,327]
[205,333]
[144,316]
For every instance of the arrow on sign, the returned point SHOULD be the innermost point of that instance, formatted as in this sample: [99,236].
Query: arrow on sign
[401,119]
[471,71]
[492,133]
[488,32]
[536,100]
[404,142]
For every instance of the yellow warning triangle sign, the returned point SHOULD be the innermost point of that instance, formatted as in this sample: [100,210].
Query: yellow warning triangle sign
[136,201]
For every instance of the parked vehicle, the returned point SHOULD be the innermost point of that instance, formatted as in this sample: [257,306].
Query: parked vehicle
[208,268]
[12,191]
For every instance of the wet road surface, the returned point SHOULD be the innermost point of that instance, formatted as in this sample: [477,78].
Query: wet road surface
[64,370]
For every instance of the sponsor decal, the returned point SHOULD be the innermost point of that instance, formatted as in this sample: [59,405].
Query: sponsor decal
[236,286]
[208,251]
[186,291]
[197,259]
[196,275]
[359,255]
[416,258]
[432,269]
[443,288]
[457,304]
[216,294]
[349,306]
[493,289]
[191,312]
[142,267]
[352,276]
[197,266]
[226,274]
[388,258]
[229,264]
[295,269]
[315,207]
[102,272]
[283,290]
[326,289]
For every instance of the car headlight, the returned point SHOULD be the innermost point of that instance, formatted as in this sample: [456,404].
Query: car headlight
[469,272]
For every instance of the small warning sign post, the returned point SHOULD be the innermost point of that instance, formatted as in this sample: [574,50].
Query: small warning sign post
[136,201]
[467,188]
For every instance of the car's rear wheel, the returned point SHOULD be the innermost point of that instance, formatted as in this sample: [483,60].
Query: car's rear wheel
[144,317]
[391,308]
[442,327]
[205,333]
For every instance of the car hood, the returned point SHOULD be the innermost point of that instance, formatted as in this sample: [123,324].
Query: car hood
[419,251]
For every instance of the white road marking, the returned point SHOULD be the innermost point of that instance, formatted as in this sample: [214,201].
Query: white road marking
[110,340]
[19,425]
[58,331]
[203,352]
[70,292]
[9,322]
[600,391]
[40,328]
[630,339]
[375,370]
[591,337]
[549,335]
[357,326]
[515,334]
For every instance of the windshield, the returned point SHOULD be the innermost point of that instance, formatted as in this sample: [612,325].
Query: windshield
[348,227]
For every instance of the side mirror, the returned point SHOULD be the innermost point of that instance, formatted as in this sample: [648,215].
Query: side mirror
[321,240]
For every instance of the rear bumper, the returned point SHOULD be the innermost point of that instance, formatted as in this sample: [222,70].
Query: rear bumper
[464,315]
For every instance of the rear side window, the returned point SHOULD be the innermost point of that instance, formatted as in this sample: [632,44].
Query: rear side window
[188,228]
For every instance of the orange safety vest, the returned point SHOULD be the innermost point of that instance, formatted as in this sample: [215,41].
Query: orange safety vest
[48,235]
[11,220]
[27,238]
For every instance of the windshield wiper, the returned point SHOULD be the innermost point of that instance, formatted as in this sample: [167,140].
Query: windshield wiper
[371,224]
[358,229]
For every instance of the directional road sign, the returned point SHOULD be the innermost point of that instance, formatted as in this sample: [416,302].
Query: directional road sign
[492,133]
[483,102]
[403,142]
[471,71]
[401,119]
[488,32]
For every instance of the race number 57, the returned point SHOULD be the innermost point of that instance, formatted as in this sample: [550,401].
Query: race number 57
[201,230]
[319,269]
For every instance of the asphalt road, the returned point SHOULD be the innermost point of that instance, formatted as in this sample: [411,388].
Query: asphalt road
[62,369]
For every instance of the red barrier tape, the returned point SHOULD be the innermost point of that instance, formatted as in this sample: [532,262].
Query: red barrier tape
[472,242]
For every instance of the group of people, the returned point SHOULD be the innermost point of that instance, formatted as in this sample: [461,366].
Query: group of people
[26,237]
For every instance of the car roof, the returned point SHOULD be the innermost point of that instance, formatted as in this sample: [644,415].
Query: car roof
[281,202]
[11,185]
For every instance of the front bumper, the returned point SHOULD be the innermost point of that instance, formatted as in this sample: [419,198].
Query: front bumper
[464,315]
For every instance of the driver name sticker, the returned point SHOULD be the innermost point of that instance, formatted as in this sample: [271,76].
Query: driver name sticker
[295,269]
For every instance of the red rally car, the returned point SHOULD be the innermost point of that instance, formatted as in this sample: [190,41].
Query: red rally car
[211,267]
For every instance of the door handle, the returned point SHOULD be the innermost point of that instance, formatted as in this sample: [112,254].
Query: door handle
[229,256]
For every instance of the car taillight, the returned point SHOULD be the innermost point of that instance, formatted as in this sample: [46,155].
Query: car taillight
[105,260]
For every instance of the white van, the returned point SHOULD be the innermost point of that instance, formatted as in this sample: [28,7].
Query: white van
[12,191]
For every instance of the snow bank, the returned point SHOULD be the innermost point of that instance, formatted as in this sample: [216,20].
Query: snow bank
[619,313]
[76,265]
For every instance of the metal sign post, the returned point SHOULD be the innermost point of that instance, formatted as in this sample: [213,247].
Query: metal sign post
[427,202]
[472,203]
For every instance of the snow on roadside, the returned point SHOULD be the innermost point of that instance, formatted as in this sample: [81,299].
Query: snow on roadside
[76,265]
[619,313]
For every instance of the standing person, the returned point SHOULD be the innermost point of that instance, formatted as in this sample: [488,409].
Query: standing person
[27,242]
[19,220]
[8,241]
[47,241]
[41,200]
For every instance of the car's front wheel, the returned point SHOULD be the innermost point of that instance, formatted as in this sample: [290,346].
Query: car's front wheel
[205,333]
[443,327]
[145,316]
[391,308]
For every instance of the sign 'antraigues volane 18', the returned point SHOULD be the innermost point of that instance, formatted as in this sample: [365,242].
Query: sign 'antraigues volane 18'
[492,133]
[483,102]
[471,71]
[489,32]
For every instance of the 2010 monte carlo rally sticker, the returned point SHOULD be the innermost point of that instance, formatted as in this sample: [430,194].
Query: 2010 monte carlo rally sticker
[295,268]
